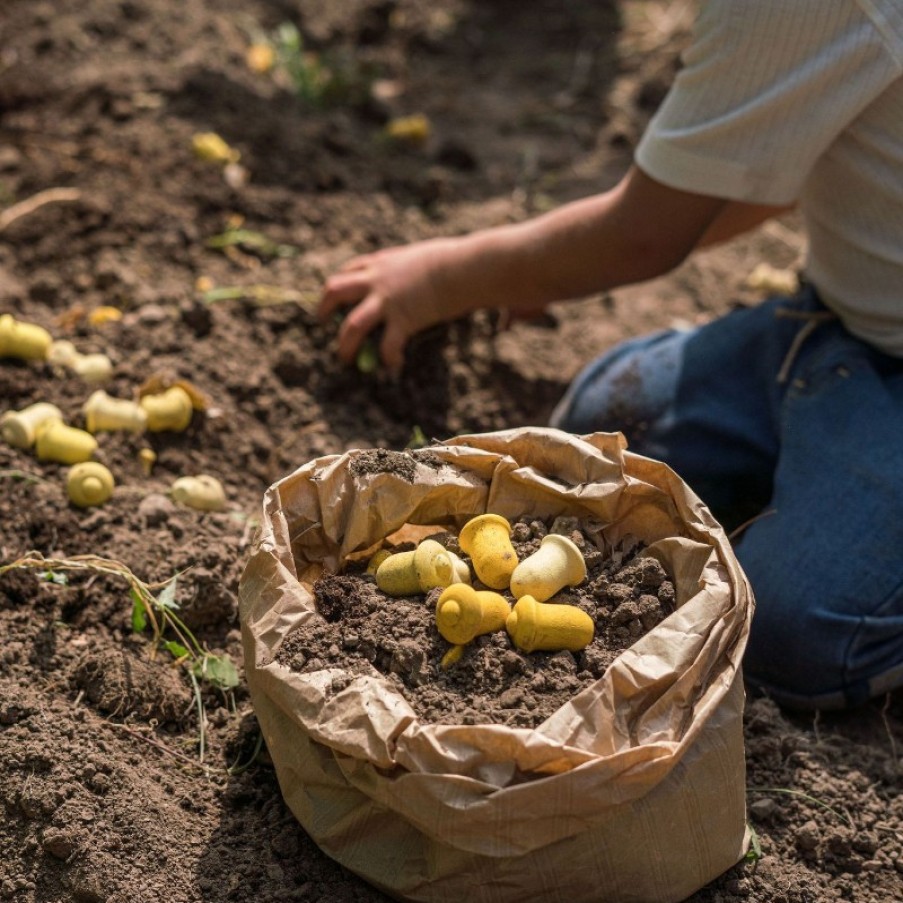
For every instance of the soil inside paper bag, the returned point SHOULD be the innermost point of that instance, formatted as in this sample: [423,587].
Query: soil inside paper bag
[364,631]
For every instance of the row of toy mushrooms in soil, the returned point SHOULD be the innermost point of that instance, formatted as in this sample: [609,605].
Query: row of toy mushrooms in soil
[41,426]
[464,613]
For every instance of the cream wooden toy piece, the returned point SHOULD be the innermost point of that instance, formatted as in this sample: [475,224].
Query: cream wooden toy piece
[408,573]
[104,413]
[25,341]
[203,492]
[487,539]
[89,484]
[542,626]
[462,570]
[55,441]
[555,564]
[168,411]
[92,368]
[463,613]
[19,428]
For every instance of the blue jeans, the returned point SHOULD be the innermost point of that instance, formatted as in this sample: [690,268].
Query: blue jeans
[778,409]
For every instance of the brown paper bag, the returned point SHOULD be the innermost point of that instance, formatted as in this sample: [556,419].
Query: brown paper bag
[632,791]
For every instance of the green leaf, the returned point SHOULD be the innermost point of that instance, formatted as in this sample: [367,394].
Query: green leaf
[418,438]
[139,615]
[754,853]
[367,358]
[252,241]
[177,650]
[217,670]
[55,577]
[226,293]
[167,596]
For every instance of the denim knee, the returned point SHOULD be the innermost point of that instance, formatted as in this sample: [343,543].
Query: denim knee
[624,390]
[808,650]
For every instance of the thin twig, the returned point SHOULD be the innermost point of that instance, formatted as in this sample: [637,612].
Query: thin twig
[235,768]
[890,735]
[161,746]
[806,796]
[29,205]
[748,523]
[202,716]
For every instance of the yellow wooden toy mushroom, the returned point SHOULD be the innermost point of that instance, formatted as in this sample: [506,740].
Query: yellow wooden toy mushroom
[92,368]
[463,612]
[487,539]
[103,412]
[543,626]
[376,559]
[203,492]
[26,341]
[19,428]
[170,410]
[54,441]
[555,564]
[408,573]
[89,484]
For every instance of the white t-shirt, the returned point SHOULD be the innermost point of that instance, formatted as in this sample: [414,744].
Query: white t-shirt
[801,100]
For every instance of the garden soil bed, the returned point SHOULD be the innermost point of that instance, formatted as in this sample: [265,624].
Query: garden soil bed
[113,784]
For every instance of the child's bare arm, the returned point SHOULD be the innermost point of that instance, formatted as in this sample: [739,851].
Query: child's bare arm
[638,230]
[736,218]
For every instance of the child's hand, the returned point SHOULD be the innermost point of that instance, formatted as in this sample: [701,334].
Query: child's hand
[406,289]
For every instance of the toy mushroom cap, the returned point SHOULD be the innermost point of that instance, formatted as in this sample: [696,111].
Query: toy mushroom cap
[89,484]
[470,529]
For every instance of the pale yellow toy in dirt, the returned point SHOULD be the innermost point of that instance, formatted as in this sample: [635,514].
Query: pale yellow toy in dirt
[463,613]
[408,573]
[105,413]
[557,563]
[25,341]
[168,411]
[92,368]
[462,570]
[89,484]
[147,457]
[55,441]
[487,540]
[202,492]
[19,428]
[546,627]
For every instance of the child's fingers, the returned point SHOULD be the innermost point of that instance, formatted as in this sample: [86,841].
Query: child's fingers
[359,322]
[341,290]
[391,348]
[356,263]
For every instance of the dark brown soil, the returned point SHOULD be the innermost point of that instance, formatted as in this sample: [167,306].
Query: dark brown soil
[106,790]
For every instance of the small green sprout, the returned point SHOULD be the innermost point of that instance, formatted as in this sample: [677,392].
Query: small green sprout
[754,853]
[418,438]
[367,360]
[54,577]
[154,606]
[251,242]
[319,79]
